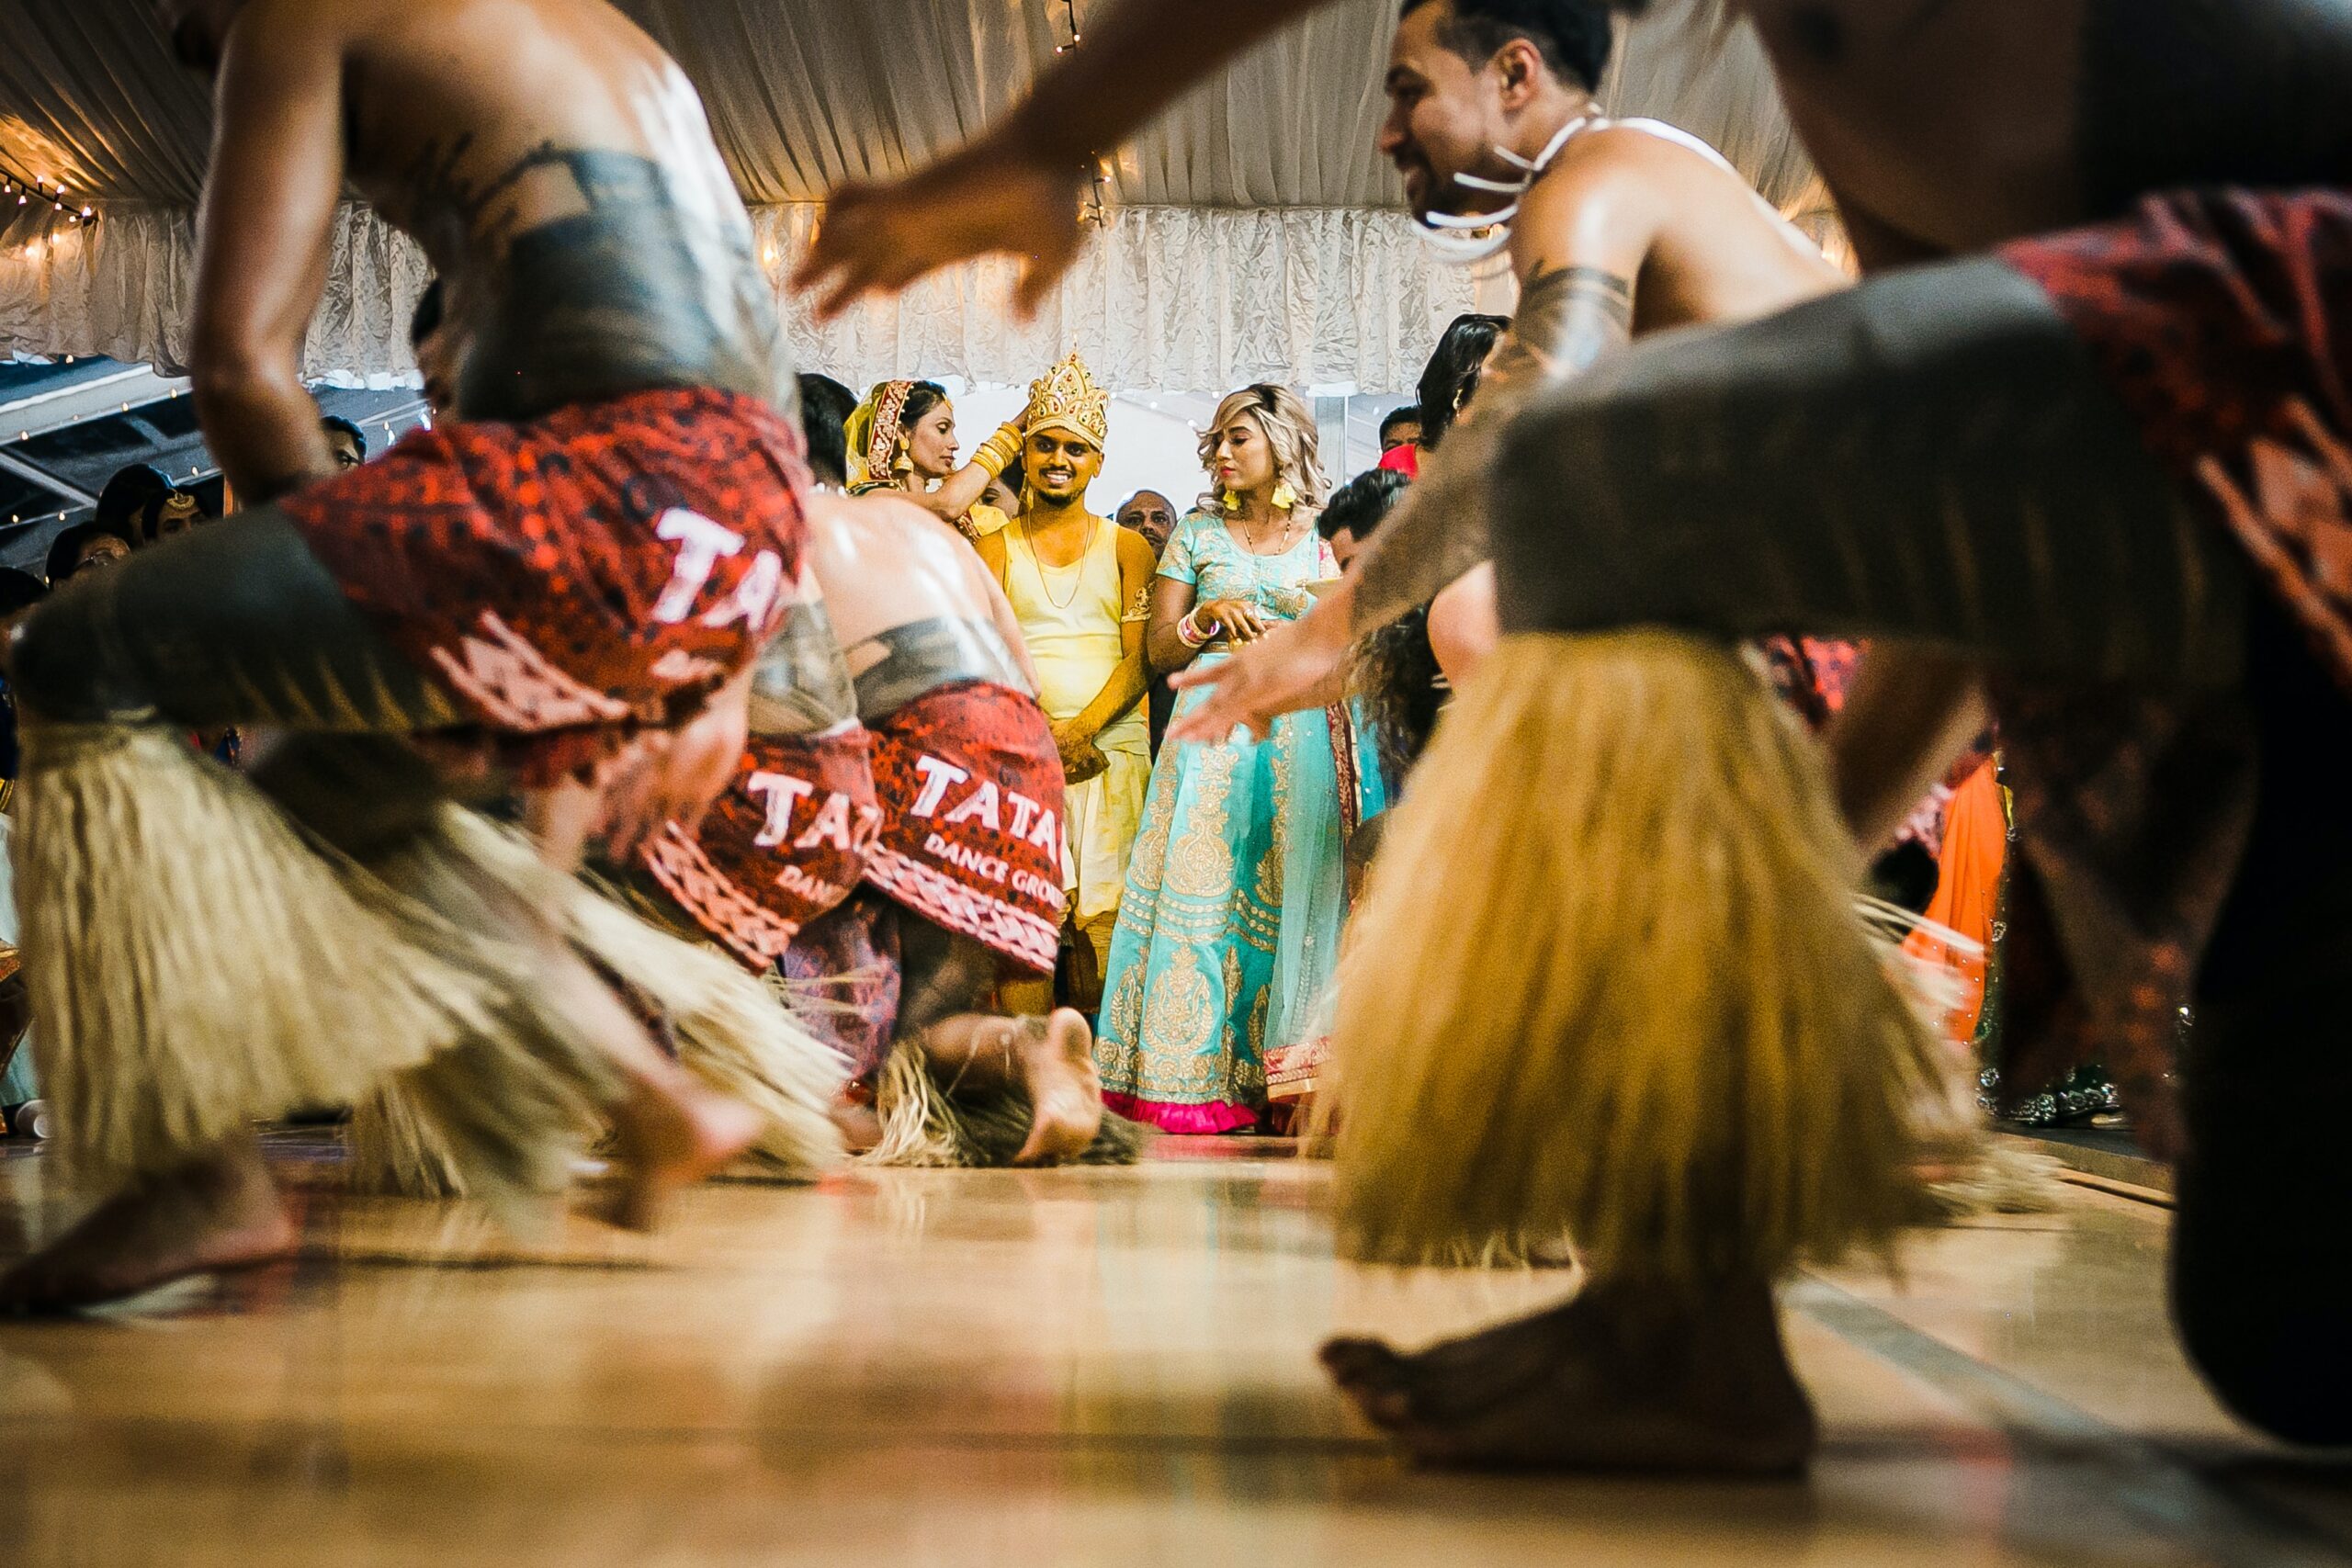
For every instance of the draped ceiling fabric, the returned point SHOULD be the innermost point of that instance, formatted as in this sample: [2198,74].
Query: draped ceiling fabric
[1254,233]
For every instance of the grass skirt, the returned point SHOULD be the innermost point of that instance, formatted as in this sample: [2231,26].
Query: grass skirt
[1609,981]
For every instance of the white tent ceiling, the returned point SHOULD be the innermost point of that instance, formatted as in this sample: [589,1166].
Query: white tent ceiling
[1253,232]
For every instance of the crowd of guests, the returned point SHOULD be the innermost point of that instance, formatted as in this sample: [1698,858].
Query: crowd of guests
[1207,885]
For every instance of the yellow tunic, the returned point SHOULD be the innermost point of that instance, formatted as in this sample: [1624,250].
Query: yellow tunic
[1070,617]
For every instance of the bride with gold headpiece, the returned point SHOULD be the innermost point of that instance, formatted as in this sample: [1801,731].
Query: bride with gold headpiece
[902,437]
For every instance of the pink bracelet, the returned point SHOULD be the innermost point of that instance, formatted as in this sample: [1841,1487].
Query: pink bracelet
[1189,632]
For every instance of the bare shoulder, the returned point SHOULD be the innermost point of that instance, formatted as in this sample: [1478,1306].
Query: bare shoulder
[1135,556]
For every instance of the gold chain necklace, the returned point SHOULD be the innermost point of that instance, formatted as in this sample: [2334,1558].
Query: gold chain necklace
[1037,562]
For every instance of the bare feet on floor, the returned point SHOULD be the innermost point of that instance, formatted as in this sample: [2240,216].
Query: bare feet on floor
[217,1215]
[671,1134]
[1056,1065]
[1624,1376]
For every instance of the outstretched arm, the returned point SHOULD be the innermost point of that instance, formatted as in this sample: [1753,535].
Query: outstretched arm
[1014,191]
[267,219]
[1579,242]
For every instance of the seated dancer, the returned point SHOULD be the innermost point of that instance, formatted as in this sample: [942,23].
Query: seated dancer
[903,438]
[2118,453]
[888,892]
[541,597]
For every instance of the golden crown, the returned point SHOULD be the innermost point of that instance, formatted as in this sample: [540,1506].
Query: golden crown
[1066,397]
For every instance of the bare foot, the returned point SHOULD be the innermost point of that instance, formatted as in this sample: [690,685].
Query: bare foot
[861,1127]
[221,1213]
[1056,1066]
[671,1134]
[1624,1377]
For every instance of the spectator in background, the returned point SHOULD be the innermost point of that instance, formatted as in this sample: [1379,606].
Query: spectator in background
[1150,514]
[1401,428]
[1448,383]
[141,505]
[1003,493]
[20,592]
[1153,516]
[825,407]
[82,546]
[345,440]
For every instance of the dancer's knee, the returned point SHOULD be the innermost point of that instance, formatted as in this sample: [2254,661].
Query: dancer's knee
[58,666]
[2280,1364]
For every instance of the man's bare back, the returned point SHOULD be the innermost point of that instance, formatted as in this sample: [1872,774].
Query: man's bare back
[884,564]
[1948,126]
[552,161]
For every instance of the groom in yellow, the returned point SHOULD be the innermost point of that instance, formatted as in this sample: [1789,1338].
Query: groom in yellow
[1079,585]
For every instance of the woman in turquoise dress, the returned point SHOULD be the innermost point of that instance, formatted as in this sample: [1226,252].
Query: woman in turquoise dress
[1229,928]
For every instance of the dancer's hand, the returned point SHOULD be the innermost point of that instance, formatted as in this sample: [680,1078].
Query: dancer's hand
[1081,759]
[1289,670]
[674,777]
[993,198]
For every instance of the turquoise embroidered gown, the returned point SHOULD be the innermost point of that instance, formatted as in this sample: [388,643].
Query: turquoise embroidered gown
[1229,928]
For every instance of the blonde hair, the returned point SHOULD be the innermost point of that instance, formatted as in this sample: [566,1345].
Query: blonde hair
[1289,427]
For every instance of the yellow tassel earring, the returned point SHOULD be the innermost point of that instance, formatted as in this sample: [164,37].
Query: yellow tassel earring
[1284,496]
[1233,501]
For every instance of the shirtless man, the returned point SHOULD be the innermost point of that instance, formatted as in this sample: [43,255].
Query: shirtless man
[834,858]
[2083,442]
[539,603]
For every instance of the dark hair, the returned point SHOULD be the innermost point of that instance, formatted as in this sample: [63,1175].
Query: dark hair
[921,398]
[825,407]
[1573,35]
[1451,374]
[19,589]
[65,549]
[427,319]
[129,498]
[335,423]
[1409,415]
[1362,504]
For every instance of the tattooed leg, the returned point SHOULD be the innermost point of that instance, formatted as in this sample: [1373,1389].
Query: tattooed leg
[1929,456]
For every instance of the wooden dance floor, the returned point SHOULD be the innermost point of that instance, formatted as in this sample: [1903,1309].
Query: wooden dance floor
[1068,1368]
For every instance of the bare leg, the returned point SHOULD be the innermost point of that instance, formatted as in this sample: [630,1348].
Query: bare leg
[1049,1059]
[1630,1375]
[216,1214]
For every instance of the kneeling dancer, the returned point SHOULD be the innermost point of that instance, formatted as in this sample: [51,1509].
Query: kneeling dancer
[535,598]
[889,870]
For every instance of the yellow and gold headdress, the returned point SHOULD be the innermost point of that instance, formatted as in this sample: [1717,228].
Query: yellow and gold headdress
[876,443]
[1065,398]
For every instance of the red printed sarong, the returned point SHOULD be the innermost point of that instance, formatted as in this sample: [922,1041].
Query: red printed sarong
[785,843]
[972,817]
[2222,321]
[571,578]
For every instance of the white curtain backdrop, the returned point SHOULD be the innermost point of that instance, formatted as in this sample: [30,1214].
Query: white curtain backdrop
[1254,233]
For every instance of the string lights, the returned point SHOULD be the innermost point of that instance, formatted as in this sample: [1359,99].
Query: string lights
[1070,23]
[39,188]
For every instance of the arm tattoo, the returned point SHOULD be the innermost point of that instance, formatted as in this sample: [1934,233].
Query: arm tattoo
[1568,318]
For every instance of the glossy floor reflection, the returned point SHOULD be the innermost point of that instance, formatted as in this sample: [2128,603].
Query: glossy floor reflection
[1040,1369]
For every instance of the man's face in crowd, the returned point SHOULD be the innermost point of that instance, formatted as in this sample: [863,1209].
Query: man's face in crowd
[179,514]
[1151,514]
[1002,494]
[1445,113]
[346,450]
[1060,464]
[1404,432]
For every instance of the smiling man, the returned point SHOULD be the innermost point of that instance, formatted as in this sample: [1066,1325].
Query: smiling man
[1079,583]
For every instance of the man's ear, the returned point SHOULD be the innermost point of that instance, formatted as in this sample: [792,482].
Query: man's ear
[1522,65]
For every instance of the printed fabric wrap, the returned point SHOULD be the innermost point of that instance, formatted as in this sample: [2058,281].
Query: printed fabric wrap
[787,842]
[2222,321]
[970,784]
[577,577]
